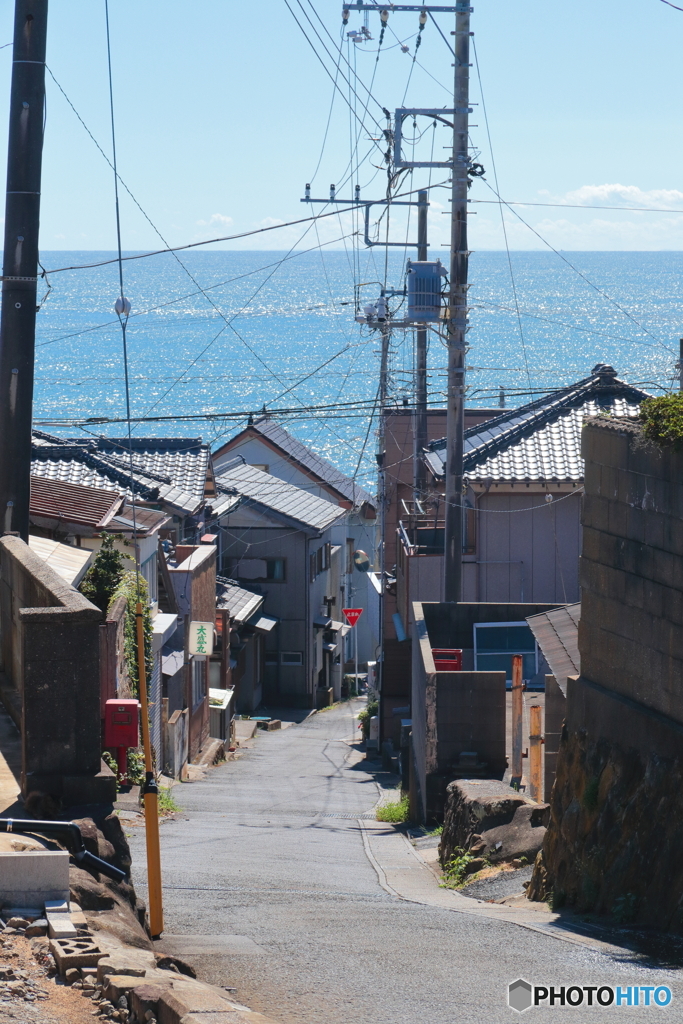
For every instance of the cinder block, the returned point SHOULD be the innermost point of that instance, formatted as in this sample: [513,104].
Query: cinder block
[75,953]
[31,877]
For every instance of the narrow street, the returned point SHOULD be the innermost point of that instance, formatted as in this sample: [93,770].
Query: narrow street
[268,889]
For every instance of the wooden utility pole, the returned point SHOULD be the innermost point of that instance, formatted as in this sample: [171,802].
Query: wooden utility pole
[535,752]
[20,263]
[420,431]
[457,310]
[517,719]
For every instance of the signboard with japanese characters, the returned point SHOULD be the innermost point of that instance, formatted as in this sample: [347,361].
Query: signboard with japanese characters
[201,638]
[352,614]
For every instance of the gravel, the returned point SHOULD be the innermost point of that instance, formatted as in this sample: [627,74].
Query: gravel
[507,883]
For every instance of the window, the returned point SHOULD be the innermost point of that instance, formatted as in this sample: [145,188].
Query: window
[291,658]
[198,682]
[496,642]
[273,569]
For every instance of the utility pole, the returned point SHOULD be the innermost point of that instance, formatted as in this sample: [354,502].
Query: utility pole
[420,429]
[20,264]
[385,330]
[457,310]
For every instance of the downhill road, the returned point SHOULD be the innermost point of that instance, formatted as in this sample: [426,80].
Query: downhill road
[268,889]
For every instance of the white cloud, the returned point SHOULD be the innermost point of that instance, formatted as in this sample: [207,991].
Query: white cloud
[624,195]
[604,230]
[218,219]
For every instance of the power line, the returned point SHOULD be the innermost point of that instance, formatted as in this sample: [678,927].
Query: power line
[578,206]
[502,215]
[577,271]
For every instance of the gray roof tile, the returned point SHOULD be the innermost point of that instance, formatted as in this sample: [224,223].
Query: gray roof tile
[170,471]
[236,599]
[541,440]
[285,499]
[320,467]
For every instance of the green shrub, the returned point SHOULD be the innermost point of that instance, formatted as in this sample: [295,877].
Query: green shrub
[455,872]
[166,803]
[395,812]
[662,420]
[624,909]
[104,575]
[134,589]
[366,714]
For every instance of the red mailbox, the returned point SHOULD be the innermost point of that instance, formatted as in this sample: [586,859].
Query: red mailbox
[121,729]
[447,659]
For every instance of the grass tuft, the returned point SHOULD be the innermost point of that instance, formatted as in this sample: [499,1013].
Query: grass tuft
[395,812]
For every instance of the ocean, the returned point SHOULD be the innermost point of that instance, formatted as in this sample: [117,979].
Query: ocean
[234,331]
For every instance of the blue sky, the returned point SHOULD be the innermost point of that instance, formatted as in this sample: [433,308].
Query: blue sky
[221,111]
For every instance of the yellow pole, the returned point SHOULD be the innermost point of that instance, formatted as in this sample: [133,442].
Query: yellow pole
[151,794]
[535,750]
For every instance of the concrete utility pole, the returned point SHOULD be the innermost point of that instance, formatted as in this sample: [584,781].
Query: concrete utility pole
[20,264]
[457,311]
[420,431]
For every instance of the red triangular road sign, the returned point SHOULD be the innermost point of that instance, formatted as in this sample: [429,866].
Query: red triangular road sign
[353,614]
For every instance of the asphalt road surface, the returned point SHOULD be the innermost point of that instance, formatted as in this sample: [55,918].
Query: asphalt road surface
[268,889]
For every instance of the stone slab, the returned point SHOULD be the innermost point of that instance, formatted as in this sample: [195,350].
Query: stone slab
[56,906]
[60,926]
[30,877]
[190,997]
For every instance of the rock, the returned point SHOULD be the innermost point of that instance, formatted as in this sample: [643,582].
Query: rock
[36,929]
[521,837]
[71,975]
[122,923]
[94,840]
[167,962]
[88,892]
[475,865]
[112,830]
[17,922]
[474,807]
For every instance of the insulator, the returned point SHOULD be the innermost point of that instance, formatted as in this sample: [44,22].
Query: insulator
[122,306]
[384,16]
[423,18]
[308,191]
[345,17]
[333,192]
[357,193]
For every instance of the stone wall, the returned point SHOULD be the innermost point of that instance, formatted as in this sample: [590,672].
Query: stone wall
[616,828]
[50,662]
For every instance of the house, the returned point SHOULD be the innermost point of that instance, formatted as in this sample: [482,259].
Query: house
[280,540]
[241,627]
[192,573]
[267,446]
[522,533]
[171,474]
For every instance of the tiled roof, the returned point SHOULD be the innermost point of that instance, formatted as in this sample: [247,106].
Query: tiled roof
[147,520]
[315,464]
[104,463]
[541,440]
[239,602]
[285,499]
[72,503]
[557,634]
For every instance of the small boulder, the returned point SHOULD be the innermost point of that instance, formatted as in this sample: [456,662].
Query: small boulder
[521,837]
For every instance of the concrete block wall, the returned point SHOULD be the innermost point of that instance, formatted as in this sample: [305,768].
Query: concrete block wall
[631,629]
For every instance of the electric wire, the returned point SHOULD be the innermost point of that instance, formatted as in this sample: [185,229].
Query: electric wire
[124,304]
[577,271]
[502,215]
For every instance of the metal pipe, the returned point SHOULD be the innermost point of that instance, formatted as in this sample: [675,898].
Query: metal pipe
[20,263]
[68,829]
